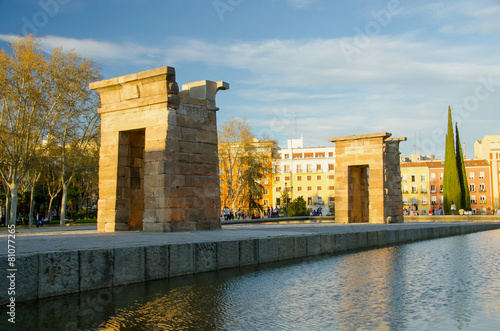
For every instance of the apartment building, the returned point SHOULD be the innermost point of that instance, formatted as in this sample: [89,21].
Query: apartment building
[422,184]
[489,149]
[415,186]
[307,172]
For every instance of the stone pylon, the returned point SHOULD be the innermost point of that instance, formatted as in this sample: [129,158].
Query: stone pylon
[158,166]
[368,179]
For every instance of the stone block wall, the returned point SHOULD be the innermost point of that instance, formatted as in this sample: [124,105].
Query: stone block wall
[158,167]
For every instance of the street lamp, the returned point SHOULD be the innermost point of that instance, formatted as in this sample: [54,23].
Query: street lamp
[286,198]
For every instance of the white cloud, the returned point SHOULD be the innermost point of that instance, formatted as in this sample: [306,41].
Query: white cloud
[300,3]
[399,84]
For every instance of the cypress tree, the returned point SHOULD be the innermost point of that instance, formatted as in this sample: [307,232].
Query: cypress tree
[451,182]
[465,199]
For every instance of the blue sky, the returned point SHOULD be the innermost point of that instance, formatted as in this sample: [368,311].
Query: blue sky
[333,67]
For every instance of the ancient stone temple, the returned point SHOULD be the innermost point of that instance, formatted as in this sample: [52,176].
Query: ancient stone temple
[368,179]
[158,167]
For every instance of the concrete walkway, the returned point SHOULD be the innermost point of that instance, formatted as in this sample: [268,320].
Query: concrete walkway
[58,239]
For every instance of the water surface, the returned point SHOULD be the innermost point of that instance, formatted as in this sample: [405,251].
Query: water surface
[443,284]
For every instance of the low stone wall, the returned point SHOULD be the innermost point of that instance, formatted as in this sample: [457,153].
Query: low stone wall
[452,218]
[42,275]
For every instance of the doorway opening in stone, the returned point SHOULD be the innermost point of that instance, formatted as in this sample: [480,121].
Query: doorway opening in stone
[130,192]
[359,198]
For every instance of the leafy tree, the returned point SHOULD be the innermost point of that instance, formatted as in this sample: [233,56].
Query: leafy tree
[285,202]
[453,181]
[298,207]
[464,185]
[241,166]
[42,97]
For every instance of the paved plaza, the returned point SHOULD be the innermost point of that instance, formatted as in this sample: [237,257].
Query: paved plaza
[70,238]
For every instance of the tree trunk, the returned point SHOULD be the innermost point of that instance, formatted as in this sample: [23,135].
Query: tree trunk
[13,202]
[32,205]
[63,202]
[49,210]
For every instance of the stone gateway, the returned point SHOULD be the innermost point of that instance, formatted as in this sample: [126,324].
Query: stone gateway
[368,179]
[158,166]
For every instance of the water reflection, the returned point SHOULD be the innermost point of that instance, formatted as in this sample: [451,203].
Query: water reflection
[449,283]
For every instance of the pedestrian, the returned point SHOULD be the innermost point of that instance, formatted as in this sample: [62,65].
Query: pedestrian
[239,213]
[226,213]
[453,208]
[37,218]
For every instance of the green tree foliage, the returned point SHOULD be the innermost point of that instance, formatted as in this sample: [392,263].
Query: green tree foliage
[465,199]
[452,188]
[298,207]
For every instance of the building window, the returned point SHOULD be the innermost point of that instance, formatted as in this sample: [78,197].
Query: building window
[482,187]
[424,200]
[278,189]
[330,188]
[482,198]
[433,176]
[309,200]
[319,188]
[481,175]
[331,167]
[277,178]
[473,199]
[472,187]
[320,200]
[441,175]
[433,200]
[423,189]
[278,200]
[405,200]
[331,199]
[309,188]
[318,167]
[422,177]
[441,199]
[309,177]
[299,168]
[265,181]
[414,189]
[266,202]
[299,178]
[309,168]
[440,188]
[414,201]
[413,178]
[286,168]
[331,177]
[299,188]
[318,177]
[471,175]
[404,178]
[433,188]
[287,178]
[405,188]
[266,191]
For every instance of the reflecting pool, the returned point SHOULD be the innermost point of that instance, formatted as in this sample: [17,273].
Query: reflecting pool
[443,284]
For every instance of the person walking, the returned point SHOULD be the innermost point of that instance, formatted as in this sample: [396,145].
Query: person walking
[453,208]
